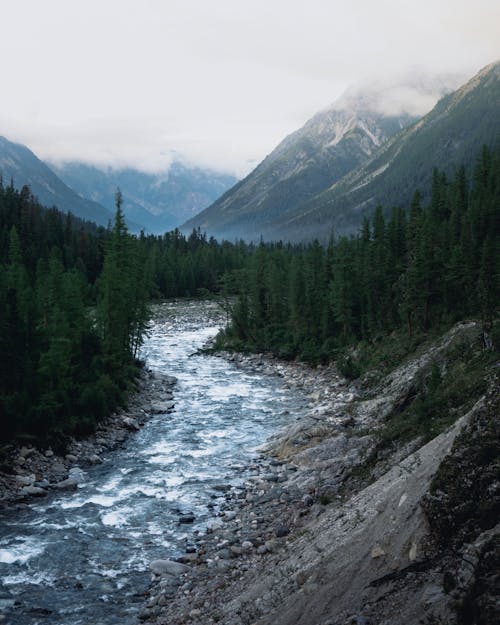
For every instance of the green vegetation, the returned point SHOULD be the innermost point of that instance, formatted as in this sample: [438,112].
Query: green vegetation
[73,299]
[73,311]
[409,277]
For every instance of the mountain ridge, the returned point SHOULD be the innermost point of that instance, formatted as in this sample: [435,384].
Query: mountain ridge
[353,192]
[19,164]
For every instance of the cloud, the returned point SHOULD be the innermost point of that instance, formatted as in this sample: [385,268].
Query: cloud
[219,81]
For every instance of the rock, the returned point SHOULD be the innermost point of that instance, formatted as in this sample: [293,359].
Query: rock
[162,407]
[186,519]
[307,500]
[26,452]
[71,458]
[48,453]
[95,459]
[33,491]
[246,545]
[261,550]
[377,552]
[131,424]
[270,545]
[25,480]
[230,515]
[168,567]
[68,484]
[188,558]
[281,531]
[301,578]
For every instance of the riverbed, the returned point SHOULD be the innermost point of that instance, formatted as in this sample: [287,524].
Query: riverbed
[83,557]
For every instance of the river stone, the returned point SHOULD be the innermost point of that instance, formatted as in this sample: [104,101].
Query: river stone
[168,567]
[162,407]
[69,483]
[25,452]
[131,424]
[281,531]
[34,491]
[71,458]
[94,459]
[25,480]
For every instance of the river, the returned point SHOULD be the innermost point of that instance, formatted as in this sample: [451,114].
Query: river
[82,557]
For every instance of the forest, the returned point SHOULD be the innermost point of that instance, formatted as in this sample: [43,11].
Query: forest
[74,296]
[410,270]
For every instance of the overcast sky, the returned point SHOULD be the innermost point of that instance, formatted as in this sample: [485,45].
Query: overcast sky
[219,82]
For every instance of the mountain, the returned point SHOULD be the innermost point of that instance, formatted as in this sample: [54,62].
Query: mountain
[331,144]
[19,164]
[451,135]
[159,202]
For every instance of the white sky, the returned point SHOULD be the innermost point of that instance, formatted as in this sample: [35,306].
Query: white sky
[220,82]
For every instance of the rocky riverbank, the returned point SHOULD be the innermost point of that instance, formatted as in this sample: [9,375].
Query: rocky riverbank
[35,473]
[317,538]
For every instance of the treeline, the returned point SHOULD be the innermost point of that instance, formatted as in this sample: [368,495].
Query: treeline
[73,310]
[417,269]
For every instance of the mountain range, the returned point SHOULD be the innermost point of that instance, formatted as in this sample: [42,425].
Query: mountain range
[350,158]
[153,202]
[158,202]
[19,165]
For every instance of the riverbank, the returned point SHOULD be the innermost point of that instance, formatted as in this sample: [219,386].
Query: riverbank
[35,473]
[319,536]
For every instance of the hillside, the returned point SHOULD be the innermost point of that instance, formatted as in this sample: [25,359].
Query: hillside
[158,202]
[19,164]
[451,135]
[330,145]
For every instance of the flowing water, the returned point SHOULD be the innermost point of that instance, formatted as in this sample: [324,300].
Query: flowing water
[82,557]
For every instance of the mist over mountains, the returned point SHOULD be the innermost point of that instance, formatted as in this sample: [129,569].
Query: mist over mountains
[353,156]
[158,202]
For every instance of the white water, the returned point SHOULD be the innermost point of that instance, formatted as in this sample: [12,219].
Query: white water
[83,557]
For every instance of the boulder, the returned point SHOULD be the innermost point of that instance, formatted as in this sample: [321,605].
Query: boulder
[168,567]
[33,491]
[131,424]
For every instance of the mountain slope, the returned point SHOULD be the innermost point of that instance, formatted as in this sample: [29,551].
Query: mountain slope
[19,163]
[450,135]
[159,202]
[310,160]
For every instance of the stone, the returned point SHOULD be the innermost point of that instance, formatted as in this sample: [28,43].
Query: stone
[307,500]
[33,491]
[270,545]
[377,552]
[162,407]
[186,519]
[246,545]
[25,452]
[49,453]
[168,567]
[95,459]
[25,480]
[131,424]
[68,484]
[71,458]
[281,531]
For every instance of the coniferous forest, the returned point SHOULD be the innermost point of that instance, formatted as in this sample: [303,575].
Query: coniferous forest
[74,296]
[412,270]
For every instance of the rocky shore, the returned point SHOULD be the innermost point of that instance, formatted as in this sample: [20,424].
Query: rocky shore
[35,472]
[312,539]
